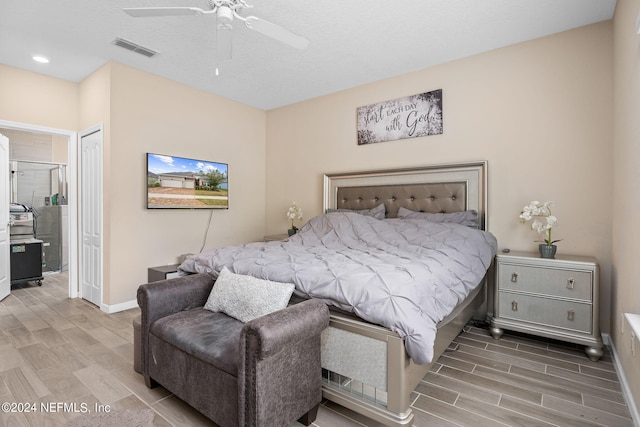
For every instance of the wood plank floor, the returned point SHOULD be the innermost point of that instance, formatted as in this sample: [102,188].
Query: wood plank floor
[59,350]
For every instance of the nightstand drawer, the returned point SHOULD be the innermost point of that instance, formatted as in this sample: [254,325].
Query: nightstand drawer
[556,313]
[573,284]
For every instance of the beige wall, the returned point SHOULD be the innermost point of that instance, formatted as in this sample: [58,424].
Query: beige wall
[32,98]
[540,112]
[626,198]
[152,114]
[60,149]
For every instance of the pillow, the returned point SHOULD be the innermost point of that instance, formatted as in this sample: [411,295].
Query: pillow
[378,212]
[467,218]
[245,297]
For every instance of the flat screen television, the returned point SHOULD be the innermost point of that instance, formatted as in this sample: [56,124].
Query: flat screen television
[182,183]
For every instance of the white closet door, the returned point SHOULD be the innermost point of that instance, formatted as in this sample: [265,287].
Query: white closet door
[5,247]
[91,146]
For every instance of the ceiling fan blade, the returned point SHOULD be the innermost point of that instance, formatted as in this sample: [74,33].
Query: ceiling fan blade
[146,12]
[276,32]
[224,35]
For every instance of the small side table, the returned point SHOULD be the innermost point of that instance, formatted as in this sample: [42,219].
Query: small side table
[554,298]
[274,237]
[162,272]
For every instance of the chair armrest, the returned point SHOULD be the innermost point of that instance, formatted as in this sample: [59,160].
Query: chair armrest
[275,331]
[279,372]
[166,297]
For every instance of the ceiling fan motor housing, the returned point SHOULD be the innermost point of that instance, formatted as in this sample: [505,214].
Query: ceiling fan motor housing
[225,16]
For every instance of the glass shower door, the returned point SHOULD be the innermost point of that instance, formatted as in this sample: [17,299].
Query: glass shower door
[43,188]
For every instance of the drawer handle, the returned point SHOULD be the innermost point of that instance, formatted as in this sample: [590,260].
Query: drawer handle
[514,305]
[571,315]
[570,283]
[514,277]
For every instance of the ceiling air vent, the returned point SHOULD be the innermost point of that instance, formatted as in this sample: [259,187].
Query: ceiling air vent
[134,47]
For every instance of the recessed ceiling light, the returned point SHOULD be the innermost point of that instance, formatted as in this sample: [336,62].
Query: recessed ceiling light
[40,59]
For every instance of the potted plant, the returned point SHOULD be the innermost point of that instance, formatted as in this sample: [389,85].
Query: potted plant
[543,222]
[294,212]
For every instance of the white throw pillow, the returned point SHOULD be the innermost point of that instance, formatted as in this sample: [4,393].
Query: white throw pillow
[245,297]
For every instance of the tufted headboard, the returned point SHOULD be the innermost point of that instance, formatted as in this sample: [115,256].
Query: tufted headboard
[444,188]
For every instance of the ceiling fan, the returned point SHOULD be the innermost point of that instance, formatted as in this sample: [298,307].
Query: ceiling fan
[226,11]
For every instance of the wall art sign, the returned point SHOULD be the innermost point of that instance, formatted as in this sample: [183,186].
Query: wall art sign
[410,117]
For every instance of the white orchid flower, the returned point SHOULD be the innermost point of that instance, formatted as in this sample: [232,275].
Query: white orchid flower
[543,220]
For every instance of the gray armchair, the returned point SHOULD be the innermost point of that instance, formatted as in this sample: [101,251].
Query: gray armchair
[265,372]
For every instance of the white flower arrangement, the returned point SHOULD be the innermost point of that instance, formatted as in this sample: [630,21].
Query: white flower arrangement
[294,212]
[543,220]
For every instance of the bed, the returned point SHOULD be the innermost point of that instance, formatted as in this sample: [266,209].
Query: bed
[373,356]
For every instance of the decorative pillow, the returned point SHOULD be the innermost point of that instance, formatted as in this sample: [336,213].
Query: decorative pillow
[245,297]
[378,212]
[468,218]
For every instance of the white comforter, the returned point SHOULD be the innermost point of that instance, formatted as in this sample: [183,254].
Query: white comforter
[405,274]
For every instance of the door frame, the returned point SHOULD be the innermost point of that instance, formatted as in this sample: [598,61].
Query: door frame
[72,182]
[5,221]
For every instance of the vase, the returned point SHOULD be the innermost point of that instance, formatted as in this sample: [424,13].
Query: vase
[547,251]
[291,231]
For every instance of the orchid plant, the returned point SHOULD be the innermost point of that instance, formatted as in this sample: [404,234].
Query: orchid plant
[543,220]
[294,212]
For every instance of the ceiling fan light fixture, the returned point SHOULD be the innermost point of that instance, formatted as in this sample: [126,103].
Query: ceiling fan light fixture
[226,11]
[225,16]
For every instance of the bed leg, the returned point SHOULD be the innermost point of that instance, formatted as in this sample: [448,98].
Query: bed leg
[310,416]
[496,332]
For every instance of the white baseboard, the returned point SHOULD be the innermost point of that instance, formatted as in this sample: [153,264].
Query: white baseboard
[626,391]
[110,309]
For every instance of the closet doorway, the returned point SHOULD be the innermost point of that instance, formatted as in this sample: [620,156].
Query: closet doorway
[91,226]
[43,164]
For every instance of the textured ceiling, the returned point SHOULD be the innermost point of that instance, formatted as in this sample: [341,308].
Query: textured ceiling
[351,42]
